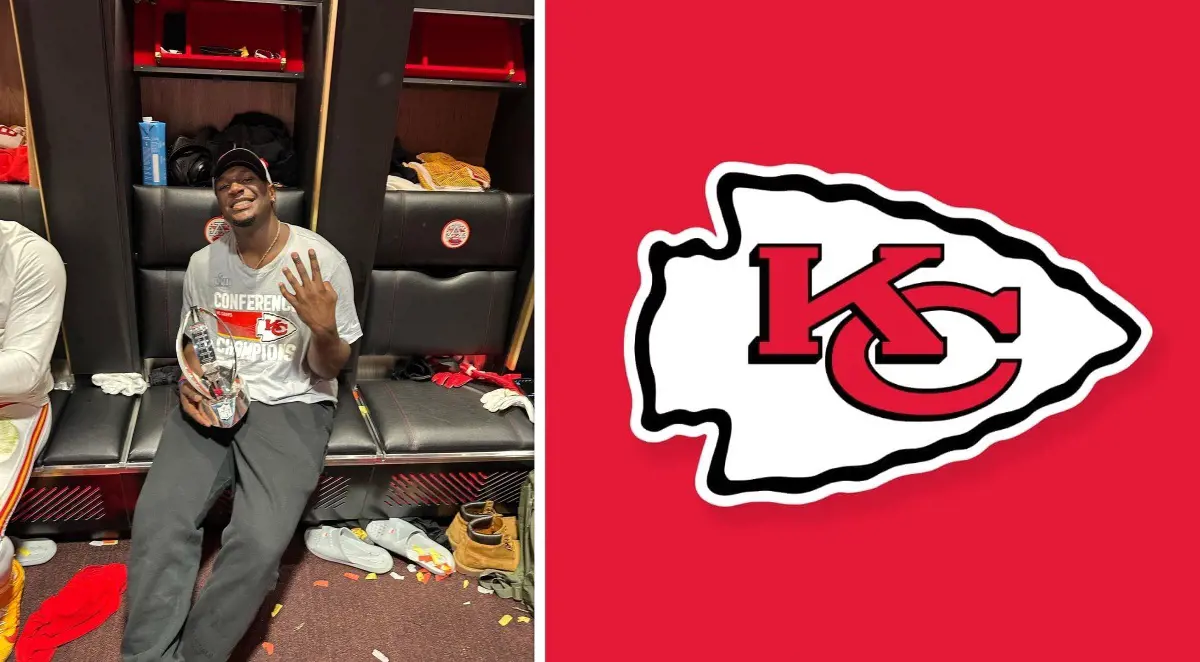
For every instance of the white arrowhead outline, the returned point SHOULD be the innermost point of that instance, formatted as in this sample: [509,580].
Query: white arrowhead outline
[704,423]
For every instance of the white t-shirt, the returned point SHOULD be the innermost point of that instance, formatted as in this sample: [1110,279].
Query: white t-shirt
[33,284]
[259,324]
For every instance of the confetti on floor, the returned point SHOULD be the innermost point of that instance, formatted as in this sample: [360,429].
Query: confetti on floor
[440,577]
[372,576]
[299,626]
[275,611]
[522,619]
[466,603]
[379,656]
[466,583]
[423,577]
[102,543]
[351,576]
[321,582]
[506,620]
[269,647]
[412,568]
[485,591]
[395,576]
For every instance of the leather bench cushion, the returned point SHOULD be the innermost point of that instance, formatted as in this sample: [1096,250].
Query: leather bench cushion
[23,203]
[168,221]
[158,402]
[90,430]
[411,229]
[160,302]
[350,433]
[413,313]
[424,417]
[350,436]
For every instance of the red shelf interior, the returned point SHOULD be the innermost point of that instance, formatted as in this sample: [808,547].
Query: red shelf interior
[275,28]
[465,48]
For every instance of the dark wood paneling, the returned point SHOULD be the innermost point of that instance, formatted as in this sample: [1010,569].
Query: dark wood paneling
[451,120]
[12,91]
[187,104]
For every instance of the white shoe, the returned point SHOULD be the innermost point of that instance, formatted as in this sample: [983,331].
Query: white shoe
[340,545]
[34,551]
[407,540]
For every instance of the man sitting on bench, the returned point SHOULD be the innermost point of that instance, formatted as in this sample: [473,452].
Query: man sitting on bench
[33,283]
[291,341]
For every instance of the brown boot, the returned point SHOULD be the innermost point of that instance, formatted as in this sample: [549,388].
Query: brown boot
[473,511]
[483,550]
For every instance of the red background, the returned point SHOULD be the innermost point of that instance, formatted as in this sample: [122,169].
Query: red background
[1074,540]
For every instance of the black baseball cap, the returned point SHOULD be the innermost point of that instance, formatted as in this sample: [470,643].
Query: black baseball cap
[240,156]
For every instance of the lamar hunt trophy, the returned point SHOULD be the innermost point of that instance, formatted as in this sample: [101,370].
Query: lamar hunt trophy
[224,392]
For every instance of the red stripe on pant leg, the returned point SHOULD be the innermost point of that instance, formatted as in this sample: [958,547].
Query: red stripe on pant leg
[22,476]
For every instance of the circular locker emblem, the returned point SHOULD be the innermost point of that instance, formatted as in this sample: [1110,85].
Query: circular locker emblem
[215,228]
[455,233]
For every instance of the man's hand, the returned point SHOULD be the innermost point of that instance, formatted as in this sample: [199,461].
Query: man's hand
[314,299]
[192,404]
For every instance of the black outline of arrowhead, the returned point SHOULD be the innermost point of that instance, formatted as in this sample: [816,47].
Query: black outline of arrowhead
[1007,246]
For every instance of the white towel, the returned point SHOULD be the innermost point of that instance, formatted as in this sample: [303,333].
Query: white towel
[122,383]
[395,183]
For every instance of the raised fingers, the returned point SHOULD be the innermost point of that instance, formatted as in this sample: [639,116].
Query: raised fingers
[300,268]
[291,298]
[316,268]
[287,273]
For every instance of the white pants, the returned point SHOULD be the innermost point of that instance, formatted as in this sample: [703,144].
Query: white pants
[33,429]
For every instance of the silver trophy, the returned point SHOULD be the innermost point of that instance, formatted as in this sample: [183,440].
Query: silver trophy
[225,394]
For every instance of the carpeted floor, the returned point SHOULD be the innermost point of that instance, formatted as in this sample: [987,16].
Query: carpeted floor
[402,619]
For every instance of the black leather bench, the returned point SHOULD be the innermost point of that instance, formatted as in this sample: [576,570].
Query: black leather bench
[427,299]
[90,427]
[422,417]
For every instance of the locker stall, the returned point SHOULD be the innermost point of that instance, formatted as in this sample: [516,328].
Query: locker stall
[388,112]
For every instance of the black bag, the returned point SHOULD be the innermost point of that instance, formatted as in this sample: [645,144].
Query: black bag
[267,136]
[191,160]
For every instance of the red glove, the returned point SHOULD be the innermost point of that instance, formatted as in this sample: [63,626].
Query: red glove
[467,372]
[451,379]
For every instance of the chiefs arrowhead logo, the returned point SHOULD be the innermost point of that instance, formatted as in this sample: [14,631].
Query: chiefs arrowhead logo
[270,328]
[834,335]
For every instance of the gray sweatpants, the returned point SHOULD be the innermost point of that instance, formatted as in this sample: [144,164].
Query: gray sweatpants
[273,460]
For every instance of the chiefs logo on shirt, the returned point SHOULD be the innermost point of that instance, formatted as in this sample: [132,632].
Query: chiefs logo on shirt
[254,325]
[270,328]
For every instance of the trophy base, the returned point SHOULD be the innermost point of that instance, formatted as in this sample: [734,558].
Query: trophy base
[229,410]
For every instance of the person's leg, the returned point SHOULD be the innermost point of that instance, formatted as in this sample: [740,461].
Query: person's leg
[279,453]
[24,430]
[192,467]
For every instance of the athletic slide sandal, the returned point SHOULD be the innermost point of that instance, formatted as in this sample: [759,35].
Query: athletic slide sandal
[340,545]
[409,541]
[34,551]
